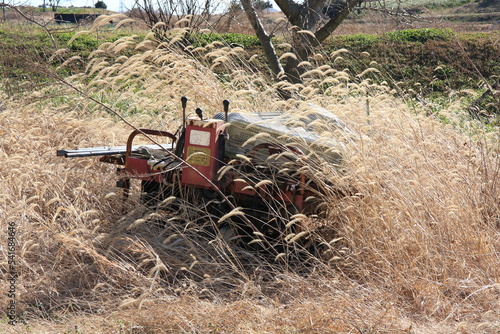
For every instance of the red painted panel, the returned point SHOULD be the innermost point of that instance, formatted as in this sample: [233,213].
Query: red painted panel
[202,151]
[138,168]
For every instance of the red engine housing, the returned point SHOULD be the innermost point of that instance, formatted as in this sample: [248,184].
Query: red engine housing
[202,150]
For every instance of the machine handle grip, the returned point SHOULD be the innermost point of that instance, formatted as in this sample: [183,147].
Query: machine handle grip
[148,132]
[226,108]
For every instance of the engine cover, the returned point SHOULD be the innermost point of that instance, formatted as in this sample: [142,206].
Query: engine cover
[249,130]
[202,150]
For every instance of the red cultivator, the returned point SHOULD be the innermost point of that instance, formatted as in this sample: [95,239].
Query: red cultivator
[249,167]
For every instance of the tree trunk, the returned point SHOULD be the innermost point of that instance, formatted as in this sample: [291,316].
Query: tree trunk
[303,45]
[306,35]
[264,38]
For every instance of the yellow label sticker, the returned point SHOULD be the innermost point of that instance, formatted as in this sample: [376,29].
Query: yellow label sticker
[198,156]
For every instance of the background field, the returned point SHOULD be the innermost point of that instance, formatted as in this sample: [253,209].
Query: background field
[413,249]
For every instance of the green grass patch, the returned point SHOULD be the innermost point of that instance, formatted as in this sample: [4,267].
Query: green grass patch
[446,4]
[435,60]
[429,4]
[26,72]
[231,39]
[74,10]
[85,43]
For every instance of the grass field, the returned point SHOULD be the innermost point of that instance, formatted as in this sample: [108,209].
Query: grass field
[414,247]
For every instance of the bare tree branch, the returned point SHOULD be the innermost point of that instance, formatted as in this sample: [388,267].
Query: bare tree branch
[291,9]
[169,11]
[44,26]
[316,4]
[335,21]
[307,18]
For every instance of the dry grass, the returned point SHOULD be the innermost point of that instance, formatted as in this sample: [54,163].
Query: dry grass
[415,247]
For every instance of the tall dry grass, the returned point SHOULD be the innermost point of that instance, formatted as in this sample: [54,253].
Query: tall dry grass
[413,248]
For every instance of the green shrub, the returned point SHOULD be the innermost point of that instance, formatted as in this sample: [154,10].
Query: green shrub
[84,42]
[356,40]
[419,35]
[231,39]
[81,43]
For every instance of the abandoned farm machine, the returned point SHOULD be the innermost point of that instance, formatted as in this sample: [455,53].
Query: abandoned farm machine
[249,167]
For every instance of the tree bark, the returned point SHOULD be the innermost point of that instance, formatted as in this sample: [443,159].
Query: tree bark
[335,21]
[264,38]
[304,17]
[307,17]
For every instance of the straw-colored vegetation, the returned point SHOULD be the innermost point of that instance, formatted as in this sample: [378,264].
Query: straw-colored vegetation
[414,247]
